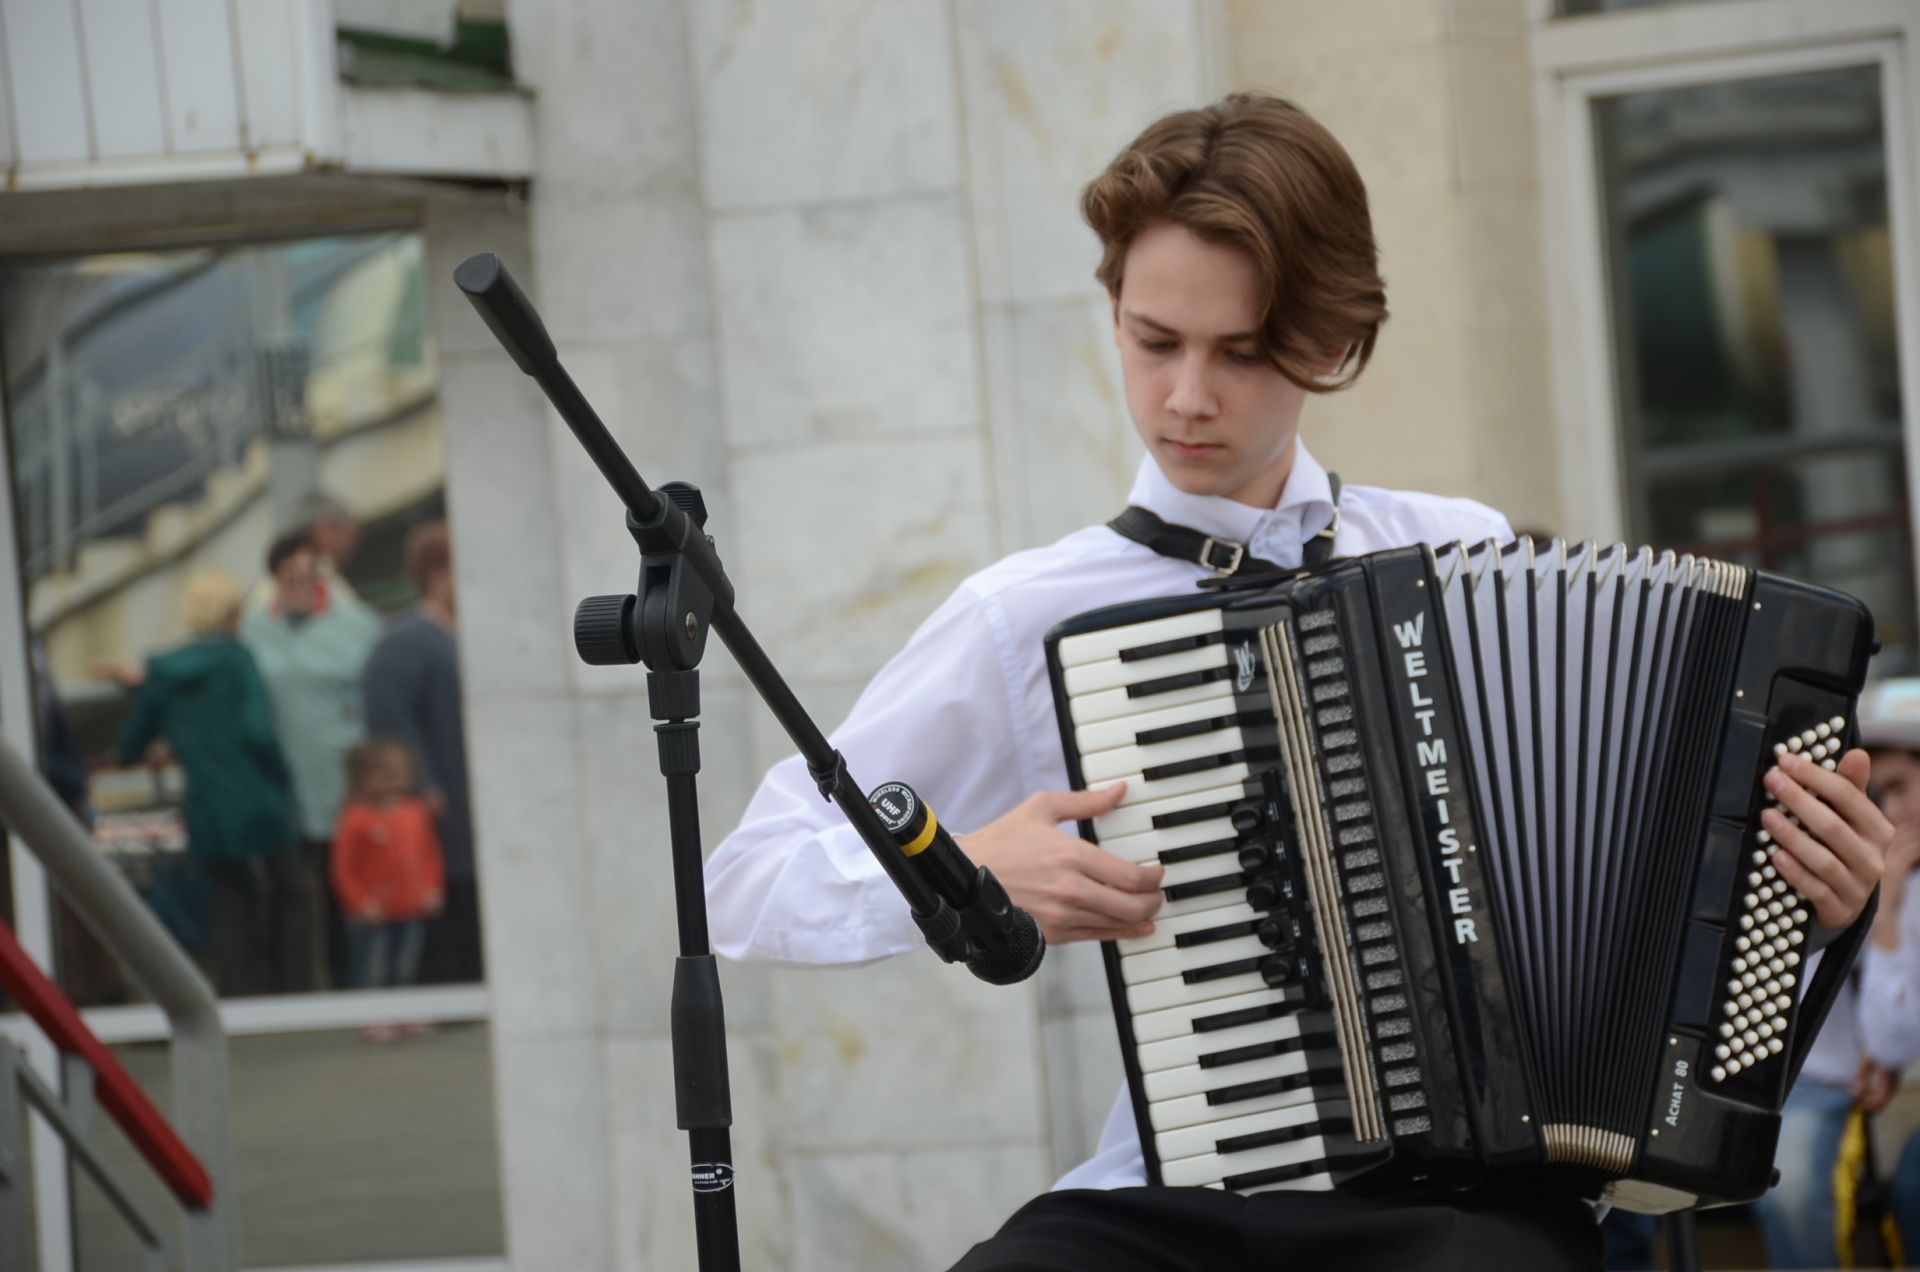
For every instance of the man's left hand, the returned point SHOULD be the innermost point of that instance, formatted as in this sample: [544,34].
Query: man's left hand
[1835,855]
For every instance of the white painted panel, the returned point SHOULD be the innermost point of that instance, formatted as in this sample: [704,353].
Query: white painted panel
[123,78]
[196,60]
[271,75]
[43,72]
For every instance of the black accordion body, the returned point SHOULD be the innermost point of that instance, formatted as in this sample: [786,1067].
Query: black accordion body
[1465,872]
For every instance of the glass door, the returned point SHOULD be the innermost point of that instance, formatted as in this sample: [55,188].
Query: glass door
[1749,248]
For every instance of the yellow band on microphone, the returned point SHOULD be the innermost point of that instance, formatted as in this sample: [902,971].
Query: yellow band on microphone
[921,840]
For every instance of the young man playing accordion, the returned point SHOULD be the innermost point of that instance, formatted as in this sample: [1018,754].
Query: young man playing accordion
[1239,255]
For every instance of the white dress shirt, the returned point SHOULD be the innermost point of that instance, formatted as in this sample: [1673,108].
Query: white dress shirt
[1879,1015]
[964,713]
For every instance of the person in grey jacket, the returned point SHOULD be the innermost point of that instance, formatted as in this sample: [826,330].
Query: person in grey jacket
[412,691]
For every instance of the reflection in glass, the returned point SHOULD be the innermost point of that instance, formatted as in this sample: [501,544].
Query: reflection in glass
[1760,395]
[172,413]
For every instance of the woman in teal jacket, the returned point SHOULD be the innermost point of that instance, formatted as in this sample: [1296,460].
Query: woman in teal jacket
[206,698]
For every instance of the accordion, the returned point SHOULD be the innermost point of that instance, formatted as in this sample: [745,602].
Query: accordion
[1465,872]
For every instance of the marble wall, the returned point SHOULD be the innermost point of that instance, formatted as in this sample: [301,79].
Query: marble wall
[784,248]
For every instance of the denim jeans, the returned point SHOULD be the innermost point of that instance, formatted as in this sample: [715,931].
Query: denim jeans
[385,954]
[1796,1216]
[1903,1197]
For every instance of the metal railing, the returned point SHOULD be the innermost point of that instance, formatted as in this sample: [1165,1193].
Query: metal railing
[196,1163]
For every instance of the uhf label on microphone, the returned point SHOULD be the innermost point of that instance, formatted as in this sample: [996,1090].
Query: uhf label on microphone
[712,1177]
[896,804]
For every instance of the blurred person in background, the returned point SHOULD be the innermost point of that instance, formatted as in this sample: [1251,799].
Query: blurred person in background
[1873,1031]
[312,645]
[334,533]
[412,688]
[386,872]
[207,700]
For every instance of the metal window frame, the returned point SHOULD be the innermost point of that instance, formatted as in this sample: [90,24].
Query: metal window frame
[1577,61]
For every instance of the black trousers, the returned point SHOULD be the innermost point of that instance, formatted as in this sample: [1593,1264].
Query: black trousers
[1205,1230]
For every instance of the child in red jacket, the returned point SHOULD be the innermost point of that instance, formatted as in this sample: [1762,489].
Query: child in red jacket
[385,868]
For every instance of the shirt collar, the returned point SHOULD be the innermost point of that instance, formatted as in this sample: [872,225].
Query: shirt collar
[1273,534]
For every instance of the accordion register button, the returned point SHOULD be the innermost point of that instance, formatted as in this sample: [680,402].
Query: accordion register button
[1718,871]
[1699,973]
[1264,894]
[1249,817]
[1275,934]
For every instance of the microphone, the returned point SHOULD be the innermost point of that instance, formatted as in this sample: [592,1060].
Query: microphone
[1004,944]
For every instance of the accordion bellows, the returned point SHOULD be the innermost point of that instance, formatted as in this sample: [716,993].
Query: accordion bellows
[1465,871]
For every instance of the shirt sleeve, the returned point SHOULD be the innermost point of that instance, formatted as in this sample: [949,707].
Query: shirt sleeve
[1889,1008]
[794,884]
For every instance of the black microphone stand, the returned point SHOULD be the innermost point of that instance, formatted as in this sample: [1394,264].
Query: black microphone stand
[683,594]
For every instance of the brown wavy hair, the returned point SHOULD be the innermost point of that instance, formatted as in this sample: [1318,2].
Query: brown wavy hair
[1257,173]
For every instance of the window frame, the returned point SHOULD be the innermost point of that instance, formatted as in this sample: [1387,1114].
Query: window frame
[1577,62]
[325,1010]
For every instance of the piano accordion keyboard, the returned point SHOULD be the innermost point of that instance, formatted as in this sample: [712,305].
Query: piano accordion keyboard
[1247,1084]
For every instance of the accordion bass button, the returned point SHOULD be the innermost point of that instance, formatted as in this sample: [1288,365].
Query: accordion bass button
[1275,934]
[1280,972]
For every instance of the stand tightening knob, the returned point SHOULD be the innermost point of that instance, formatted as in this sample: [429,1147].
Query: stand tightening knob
[603,631]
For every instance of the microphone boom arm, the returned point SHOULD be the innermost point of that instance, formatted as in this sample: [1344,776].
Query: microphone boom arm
[681,569]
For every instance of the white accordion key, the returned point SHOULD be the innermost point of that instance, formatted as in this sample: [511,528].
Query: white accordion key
[1177,1053]
[1107,734]
[1215,1167]
[1100,646]
[1203,1141]
[1173,991]
[1142,791]
[1108,765]
[1137,819]
[1149,846]
[1165,930]
[1140,969]
[1198,1110]
[1115,704]
[1114,674]
[1178,1022]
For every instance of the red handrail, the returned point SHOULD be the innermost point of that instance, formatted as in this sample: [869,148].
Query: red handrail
[117,1092]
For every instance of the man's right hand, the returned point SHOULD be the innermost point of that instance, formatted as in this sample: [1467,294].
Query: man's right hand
[1873,1086]
[1075,891]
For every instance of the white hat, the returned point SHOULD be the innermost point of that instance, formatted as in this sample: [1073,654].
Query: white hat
[1890,713]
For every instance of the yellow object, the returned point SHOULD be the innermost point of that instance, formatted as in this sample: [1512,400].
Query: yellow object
[921,840]
[1846,1184]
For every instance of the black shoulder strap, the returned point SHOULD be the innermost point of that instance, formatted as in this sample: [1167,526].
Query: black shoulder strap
[1223,556]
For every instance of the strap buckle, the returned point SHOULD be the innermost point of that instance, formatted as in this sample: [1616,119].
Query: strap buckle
[1332,529]
[1239,553]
